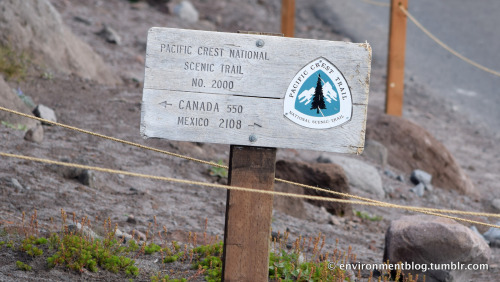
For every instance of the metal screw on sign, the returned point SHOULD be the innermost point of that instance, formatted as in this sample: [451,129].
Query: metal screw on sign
[252,138]
[259,43]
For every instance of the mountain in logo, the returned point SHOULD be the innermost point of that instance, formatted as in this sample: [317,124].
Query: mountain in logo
[318,96]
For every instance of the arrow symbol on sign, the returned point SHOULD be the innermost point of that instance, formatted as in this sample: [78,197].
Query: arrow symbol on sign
[255,124]
[165,104]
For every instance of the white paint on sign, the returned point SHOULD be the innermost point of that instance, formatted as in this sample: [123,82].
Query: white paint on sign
[231,88]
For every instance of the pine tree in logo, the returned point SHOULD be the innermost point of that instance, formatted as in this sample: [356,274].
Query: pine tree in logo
[318,101]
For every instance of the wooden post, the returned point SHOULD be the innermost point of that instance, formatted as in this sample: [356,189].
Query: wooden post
[396,59]
[288,17]
[248,215]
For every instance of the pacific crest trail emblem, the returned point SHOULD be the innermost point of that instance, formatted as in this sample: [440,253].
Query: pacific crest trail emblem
[318,96]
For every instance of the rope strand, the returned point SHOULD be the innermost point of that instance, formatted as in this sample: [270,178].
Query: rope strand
[238,188]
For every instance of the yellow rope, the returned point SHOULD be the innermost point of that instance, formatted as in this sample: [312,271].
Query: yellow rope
[237,188]
[112,138]
[446,47]
[276,179]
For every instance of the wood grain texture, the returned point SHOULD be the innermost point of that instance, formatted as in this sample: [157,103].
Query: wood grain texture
[258,85]
[396,59]
[248,215]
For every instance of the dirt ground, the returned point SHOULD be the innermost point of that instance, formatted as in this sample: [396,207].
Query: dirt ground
[115,111]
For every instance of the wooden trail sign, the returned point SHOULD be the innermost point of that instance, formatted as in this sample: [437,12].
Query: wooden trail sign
[255,90]
[256,93]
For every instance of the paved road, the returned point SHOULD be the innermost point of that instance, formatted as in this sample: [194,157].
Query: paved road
[470,27]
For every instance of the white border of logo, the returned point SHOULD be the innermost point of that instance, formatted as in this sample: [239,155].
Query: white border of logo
[344,96]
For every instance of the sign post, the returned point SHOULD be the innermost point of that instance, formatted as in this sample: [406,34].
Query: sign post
[256,93]
[396,59]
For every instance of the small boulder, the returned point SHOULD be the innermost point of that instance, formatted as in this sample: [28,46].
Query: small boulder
[327,176]
[423,239]
[376,151]
[421,177]
[34,134]
[45,112]
[419,189]
[493,236]
[110,35]
[361,175]
[496,204]
[186,11]
[412,147]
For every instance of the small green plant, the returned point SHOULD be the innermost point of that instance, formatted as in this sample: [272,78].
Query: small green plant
[12,126]
[218,171]
[152,248]
[367,216]
[48,75]
[2,243]
[22,266]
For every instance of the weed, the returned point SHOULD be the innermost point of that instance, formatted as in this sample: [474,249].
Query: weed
[12,63]
[26,99]
[2,243]
[152,248]
[367,216]
[12,126]
[47,75]
[218,171]
[22,266]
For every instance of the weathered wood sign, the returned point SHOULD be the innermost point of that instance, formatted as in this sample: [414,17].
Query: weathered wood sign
[255,90]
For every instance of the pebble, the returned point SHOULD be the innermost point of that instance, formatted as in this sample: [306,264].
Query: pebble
[34,134]
[15,183]
[131,219]
[496,204]
[138,235]
[110,35]
[186,11]
[419,189]
[87,177]
[45,112]
[419,176]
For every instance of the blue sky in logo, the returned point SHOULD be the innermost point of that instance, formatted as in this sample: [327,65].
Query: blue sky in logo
[306,92]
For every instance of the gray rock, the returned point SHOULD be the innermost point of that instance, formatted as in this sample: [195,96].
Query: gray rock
[15,184]
[110,35]
[419,176]
[390,174]
[131,219]
[493,236]
[123,236]
[419,189]
[376,151]
[361,175]
[87,177]
[424,239]
[496,204]
[400,178]
[473,228]
[34,134]
[45,112]
[85,230]
[186,11]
